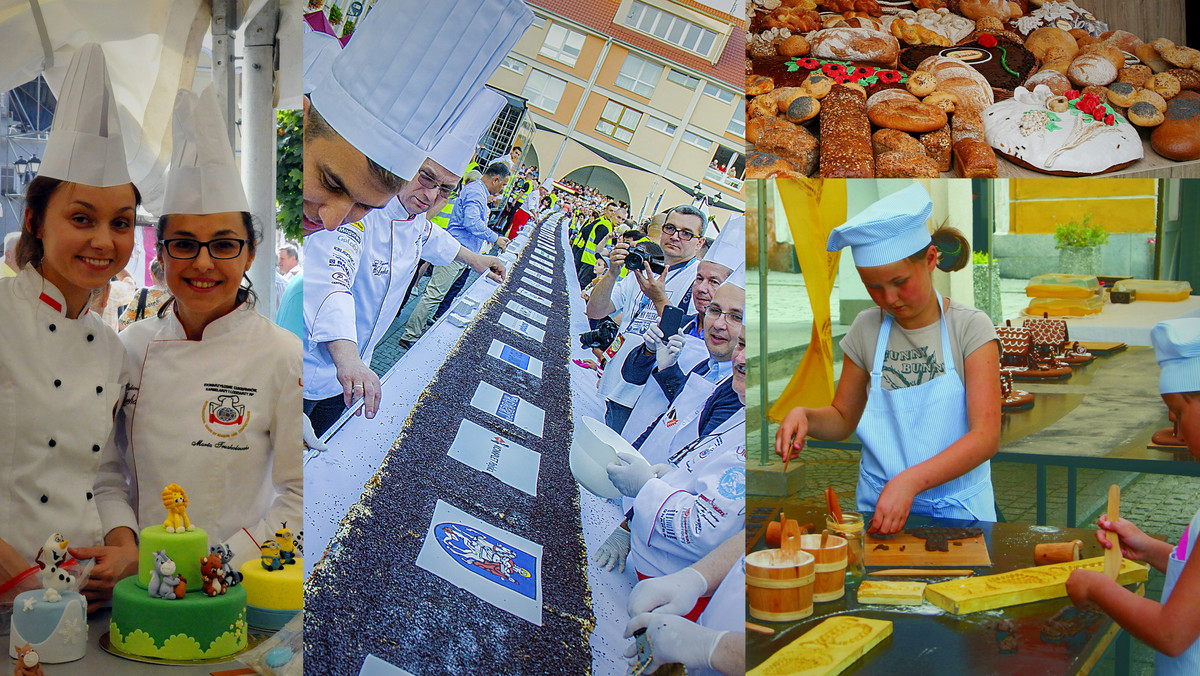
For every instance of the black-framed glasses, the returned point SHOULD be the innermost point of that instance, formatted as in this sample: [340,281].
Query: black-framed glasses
[684,235]
[222,248]
[731,316]
[429,182]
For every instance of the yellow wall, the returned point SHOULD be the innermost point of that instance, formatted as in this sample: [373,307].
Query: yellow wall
[1037,206]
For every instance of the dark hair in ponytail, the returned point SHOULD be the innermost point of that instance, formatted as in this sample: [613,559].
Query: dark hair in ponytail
[245,293]
[953,249]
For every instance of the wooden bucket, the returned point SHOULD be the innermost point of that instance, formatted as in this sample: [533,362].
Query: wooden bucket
[829,566]
[779,587]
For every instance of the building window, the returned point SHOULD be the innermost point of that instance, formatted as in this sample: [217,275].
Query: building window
[661,125]
[512,64]
[639,75]
[671,29]
[722,95]
[543,91]
[727,168]
[696,140]
[562,44]
[683,79]
[539,21]
[618,121]
[737,123]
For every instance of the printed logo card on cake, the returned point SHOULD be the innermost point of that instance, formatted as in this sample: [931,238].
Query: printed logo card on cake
[540,287]
[531,272]
[512,355]
[373,666]
[535,317]
[501,568]
[490,453]
[538,268]
[522,327]
[533,296]
[495,401]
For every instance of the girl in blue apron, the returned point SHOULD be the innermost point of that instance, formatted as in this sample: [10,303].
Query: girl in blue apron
[1171,627]
[926,445]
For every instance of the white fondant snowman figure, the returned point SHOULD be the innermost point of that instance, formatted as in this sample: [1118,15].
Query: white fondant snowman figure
[55,578]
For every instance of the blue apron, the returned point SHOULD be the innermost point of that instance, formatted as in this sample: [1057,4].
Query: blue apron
[1187,664]
[904,427]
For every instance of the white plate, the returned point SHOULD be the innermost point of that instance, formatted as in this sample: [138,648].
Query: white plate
[593,449]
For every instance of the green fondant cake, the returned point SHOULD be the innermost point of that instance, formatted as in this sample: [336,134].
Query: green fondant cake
[192,628]
[186,549]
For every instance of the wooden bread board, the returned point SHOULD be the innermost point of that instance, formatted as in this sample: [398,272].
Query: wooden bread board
[1101,348]
[827,649]
[891,592]
[972,552]
[987,592]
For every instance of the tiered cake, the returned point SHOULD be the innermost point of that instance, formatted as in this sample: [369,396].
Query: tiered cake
[183,604]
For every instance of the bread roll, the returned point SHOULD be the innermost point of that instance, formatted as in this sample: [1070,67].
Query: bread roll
[785,95]
[1164,84]
[921,83]
[759,84]
[1144,114]
[1050,37]
[1150,57]
[795,45]
[757,126]
[766,165]
[1122,94]
[1188,78]
[910,116]
[944,101]
[803,109]
[797,146]
[761,106]
[893,140]
[956,77]
[855,44]
[967,124]
[1056,81]
[1122,40]
[937,147]
[1135,75]
[1109,52]
[1091,69]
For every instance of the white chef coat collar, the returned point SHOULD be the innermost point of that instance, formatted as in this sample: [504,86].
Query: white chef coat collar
[33,286]
[172,329]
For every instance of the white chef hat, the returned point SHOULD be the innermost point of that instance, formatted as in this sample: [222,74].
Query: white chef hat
[548,184]
[729,248]
[411,69]
[319,51]
[455,150]
[1177,348]
[889,230]
[737,277]
[203,178]
[85,143]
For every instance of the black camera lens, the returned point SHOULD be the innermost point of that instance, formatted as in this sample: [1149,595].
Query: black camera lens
[635,259]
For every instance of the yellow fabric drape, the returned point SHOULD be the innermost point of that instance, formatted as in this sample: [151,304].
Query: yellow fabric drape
[810,221]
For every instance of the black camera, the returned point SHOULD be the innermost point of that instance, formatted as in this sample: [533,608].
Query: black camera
[602,336]
[645,252]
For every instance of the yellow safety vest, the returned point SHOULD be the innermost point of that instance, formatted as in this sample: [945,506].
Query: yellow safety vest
[589,247]
[442,220]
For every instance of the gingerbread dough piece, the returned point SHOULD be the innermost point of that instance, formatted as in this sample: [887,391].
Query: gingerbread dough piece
[987,592]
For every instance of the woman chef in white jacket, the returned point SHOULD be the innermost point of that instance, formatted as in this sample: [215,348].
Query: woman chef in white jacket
[214,399]
[61,368]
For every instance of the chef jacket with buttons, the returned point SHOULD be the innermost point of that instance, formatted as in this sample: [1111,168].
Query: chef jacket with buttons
[355,278]
[219,416]
[61,381]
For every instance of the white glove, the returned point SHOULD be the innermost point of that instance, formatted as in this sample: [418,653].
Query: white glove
[629,473]
[675,594]
[614,550]
[667,358]
[310,437]
[674,640]
[653,337]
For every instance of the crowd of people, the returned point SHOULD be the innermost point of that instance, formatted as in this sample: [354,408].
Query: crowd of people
[100,423]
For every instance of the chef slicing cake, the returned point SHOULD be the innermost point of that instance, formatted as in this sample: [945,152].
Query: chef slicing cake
[62,370]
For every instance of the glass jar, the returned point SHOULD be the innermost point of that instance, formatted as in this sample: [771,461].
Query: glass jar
[851,528]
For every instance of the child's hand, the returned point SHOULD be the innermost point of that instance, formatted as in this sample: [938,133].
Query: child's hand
[1134,543]
[789,438]
[1081,583]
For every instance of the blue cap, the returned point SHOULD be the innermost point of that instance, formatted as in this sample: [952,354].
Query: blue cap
[887,231]
[1177,348]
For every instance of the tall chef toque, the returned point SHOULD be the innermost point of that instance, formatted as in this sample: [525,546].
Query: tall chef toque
[1177,348]
[411,70]
[203,178]
[729,247]
[455,149]
[887,231]
[85,143]
[737,277]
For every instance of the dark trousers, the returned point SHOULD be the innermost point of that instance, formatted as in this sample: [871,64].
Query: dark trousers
[616,415]
[322,413]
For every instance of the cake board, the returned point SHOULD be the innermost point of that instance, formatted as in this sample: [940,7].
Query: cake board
[971,552]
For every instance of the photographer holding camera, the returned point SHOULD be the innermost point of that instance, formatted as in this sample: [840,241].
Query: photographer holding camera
[639,299]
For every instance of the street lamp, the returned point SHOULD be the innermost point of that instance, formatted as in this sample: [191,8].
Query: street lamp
[21,166]
[35,164]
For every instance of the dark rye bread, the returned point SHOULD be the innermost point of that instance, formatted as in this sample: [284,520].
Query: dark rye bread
[1178,138]
[367,596]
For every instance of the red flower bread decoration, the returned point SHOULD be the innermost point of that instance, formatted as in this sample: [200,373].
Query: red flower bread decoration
[834,69]
[889,76]
[808,64]
[988,41]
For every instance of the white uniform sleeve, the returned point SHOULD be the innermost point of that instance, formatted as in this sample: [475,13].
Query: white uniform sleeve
[287,469]
[440,249]
[690,525]
[622,294]
[111,489]
[330,262]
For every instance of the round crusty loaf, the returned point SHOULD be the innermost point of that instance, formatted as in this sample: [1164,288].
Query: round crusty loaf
[855,44]
[888,140]
[1178,138]
[1056,81]
[1091,69]
[1123,40]
[1046,38]
[1109,52]
[978,9]
[956,77]
[911,116]
[888,95]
